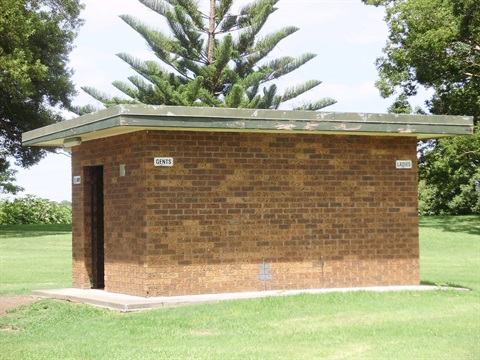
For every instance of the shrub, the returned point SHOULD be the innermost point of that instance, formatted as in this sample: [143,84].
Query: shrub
[33,210]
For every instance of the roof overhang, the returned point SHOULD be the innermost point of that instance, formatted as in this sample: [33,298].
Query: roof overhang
[123,119]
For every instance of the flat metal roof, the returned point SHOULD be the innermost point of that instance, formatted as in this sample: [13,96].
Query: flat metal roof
[123,119]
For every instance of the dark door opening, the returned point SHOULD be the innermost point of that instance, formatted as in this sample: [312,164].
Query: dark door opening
[97,231]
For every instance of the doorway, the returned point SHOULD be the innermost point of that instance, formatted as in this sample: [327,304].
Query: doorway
[97,279]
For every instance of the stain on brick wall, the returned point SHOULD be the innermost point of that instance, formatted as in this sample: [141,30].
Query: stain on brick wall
[317,210]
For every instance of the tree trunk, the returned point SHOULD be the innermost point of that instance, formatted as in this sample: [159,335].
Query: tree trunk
[211,33]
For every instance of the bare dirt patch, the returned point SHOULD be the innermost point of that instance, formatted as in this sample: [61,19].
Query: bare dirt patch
[9,302]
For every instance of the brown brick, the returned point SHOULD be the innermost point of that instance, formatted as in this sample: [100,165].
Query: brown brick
[235,201]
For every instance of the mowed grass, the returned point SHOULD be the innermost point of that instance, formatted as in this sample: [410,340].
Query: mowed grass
[440,324]
[450,250]
[35,257]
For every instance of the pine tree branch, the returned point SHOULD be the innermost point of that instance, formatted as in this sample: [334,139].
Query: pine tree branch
[223,54]
[188,68]
[147,69]
[298,90]
[252,91]
[223,8]
[317,105]
[253,79]
[252,24]
[83,110]
[193,34]
[166,49]
[275,69]
[254,8]
[235,98]
[285,65]
[228,25]
[190,7]
[209,99]
[105,99]
[159,6]
[192,90]
[245,17]
[269,96]
[158,42]
[140,84]
[263,47]
[96,94]
[126,89]
[189,40]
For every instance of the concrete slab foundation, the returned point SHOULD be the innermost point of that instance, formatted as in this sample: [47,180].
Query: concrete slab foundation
[121,302]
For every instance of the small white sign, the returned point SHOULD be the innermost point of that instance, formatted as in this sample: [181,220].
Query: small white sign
[77,180]
[163,161]
[404,164]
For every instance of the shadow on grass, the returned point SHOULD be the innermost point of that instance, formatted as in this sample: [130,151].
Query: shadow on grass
[444,285]
[455,224]
[16,231]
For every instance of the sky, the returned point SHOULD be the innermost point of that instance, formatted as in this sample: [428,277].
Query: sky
[346,35]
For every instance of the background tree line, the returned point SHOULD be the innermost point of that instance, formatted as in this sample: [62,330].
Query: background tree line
[33,210]
[436,44]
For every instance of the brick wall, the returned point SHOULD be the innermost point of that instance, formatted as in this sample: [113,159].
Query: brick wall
[124,212]
[250,211]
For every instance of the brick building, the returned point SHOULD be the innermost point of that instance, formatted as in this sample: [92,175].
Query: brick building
[178,200]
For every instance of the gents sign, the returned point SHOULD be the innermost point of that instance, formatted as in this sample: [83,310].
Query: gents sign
[163,161]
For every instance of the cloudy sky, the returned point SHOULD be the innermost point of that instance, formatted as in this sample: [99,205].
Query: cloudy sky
[347,36]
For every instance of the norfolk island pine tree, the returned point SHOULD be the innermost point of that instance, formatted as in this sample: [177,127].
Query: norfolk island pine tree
[214,59]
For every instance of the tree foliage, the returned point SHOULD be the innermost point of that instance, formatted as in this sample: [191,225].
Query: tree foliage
[436,44]
[214,58]
[33,210]
[7,178]
[35,39]
[453,168]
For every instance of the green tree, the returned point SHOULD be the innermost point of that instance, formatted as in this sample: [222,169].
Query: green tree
[36,37]
[7,178]
[436,44]
[211,58]
[450,177]
[33,210]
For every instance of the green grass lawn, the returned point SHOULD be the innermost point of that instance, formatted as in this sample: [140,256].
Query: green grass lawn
[450,250]
[35,257]
[361,325]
